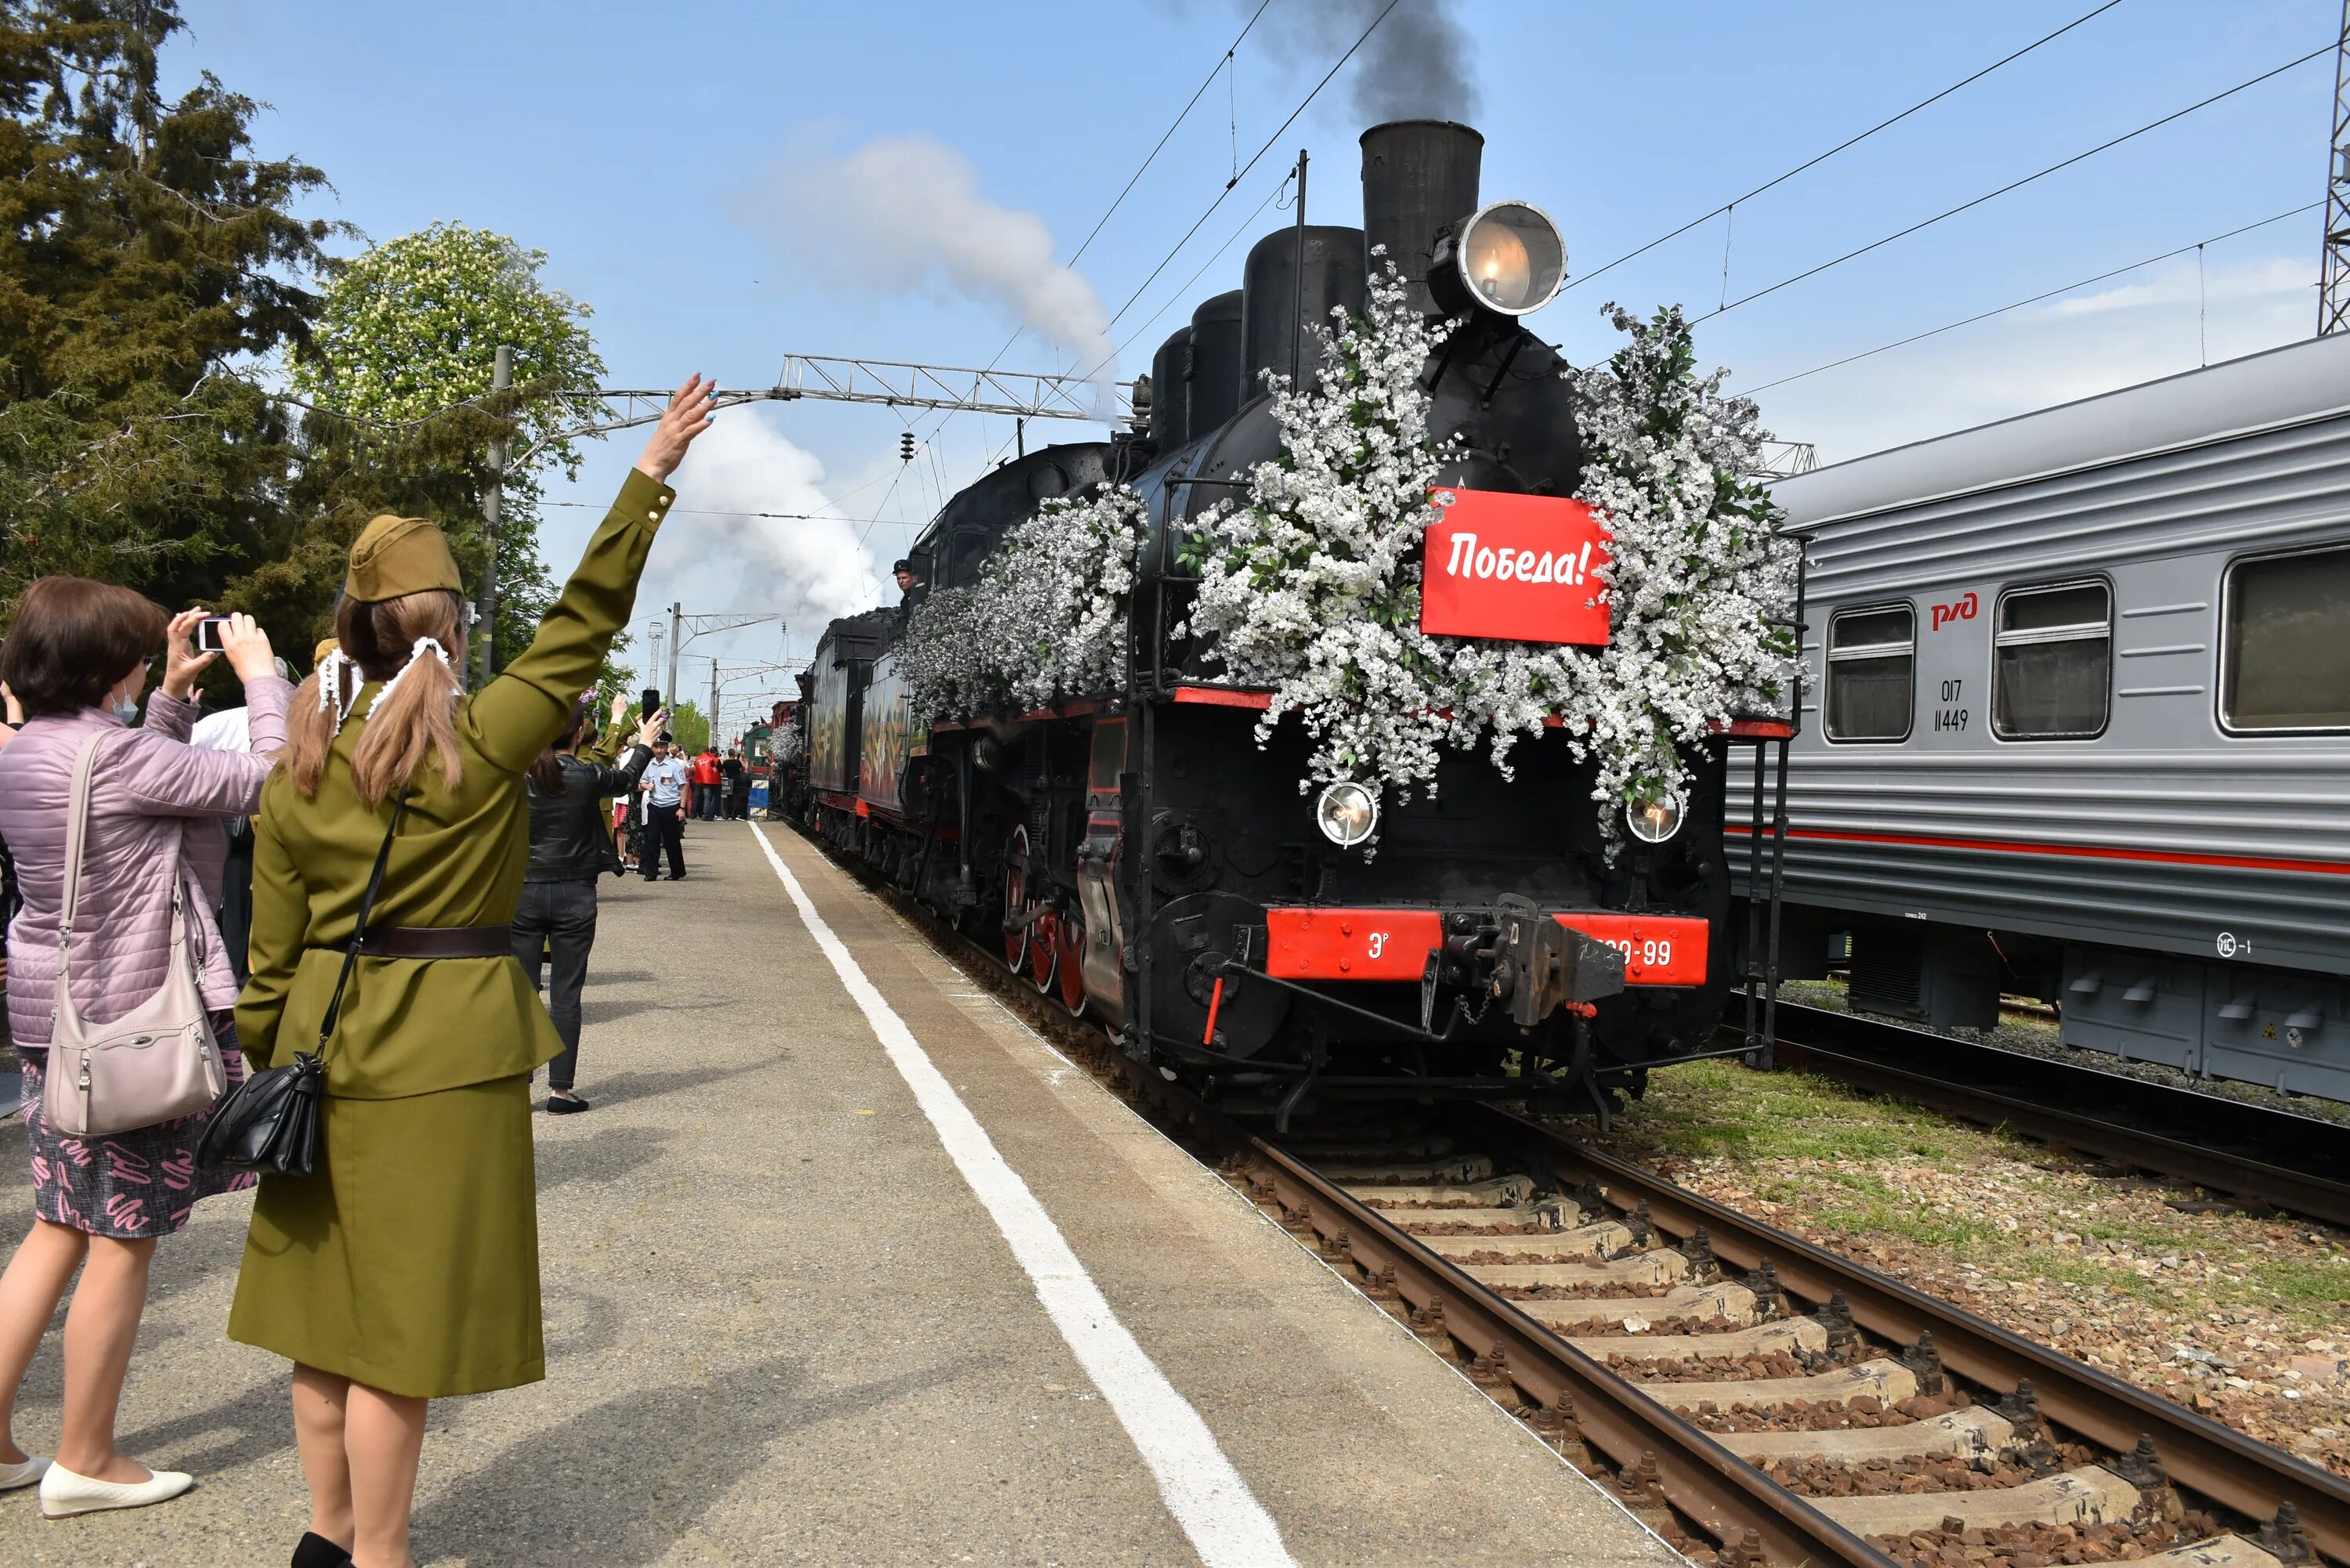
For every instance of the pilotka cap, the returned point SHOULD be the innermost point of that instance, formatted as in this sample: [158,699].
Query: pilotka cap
[397,555]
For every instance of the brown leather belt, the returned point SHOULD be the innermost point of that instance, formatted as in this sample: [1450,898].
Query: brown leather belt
[439,942]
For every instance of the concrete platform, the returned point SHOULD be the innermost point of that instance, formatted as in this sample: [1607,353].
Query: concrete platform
[782,1327]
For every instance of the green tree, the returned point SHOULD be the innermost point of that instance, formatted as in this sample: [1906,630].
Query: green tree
[149,259]
[690,726]
[410,329]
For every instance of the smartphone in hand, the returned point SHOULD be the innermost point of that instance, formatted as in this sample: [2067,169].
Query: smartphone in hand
[650,701]
[208,633]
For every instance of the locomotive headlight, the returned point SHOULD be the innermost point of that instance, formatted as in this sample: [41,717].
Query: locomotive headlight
[1346,812]
[1654,821]
[1511,257]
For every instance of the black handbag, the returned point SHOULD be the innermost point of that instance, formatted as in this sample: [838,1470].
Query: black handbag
[269,1123]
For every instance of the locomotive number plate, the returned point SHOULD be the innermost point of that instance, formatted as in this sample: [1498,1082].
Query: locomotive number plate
[1515,567]
[1350,944]
[1658,950]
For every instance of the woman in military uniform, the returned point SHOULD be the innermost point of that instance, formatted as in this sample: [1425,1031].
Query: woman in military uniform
[407,1267]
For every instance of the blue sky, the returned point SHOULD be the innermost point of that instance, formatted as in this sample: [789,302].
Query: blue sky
[694,172]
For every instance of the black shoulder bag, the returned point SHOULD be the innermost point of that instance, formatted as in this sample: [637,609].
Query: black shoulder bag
[269,1123]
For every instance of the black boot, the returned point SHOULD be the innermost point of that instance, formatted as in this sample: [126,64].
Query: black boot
[317,1552]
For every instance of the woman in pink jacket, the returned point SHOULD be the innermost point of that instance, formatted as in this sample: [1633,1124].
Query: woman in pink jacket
[76,659]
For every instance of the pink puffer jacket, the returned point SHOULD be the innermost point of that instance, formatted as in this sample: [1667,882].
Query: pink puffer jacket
[155,803]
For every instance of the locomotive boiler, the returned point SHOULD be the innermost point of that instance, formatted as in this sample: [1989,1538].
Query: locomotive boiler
[1137,854]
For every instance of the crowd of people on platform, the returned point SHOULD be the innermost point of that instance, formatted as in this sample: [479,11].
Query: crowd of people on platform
[324,889]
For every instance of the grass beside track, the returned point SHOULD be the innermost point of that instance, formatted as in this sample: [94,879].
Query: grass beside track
[2244,1317]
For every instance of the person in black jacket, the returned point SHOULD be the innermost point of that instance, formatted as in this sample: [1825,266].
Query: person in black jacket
[570,849]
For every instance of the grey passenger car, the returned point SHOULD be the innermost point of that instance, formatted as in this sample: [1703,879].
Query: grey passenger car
[2077,722]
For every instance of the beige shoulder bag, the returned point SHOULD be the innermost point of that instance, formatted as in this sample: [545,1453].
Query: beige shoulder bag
[157,1062]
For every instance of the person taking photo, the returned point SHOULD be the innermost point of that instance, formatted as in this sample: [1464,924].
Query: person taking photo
[76,660]
[405,1267]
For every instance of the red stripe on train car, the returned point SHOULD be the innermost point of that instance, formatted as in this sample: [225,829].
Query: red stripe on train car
[2077,851]
[1658,950]
[1225,697]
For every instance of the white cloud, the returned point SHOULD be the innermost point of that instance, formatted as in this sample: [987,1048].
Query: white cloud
[904,214]
[2040,357]
[715,557]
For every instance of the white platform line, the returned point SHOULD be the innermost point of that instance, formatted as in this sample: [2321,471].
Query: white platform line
[1228,1526]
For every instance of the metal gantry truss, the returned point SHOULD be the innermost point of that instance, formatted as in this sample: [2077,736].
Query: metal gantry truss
[1787,459]
[1015,394]
[2334,270]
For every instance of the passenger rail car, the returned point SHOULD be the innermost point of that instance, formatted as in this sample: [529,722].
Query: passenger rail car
[2082,690]
[1138,855]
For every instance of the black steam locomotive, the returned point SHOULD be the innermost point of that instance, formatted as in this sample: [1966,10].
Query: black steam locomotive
[1137,854]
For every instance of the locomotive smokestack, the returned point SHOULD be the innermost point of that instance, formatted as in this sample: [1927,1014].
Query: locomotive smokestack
[1170,392]
[1417,176]
[1271,293]
[1216,390]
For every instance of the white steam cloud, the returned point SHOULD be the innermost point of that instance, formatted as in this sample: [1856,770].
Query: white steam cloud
[904,213]
[716,557]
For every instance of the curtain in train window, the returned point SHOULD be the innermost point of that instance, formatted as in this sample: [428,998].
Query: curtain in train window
[2286,664]
[2054,662]
[1871,673]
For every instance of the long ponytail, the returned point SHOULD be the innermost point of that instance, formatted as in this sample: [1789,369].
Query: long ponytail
[411,643]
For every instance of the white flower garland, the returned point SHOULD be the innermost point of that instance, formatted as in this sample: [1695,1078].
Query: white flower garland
[1311,586]
[1045,620]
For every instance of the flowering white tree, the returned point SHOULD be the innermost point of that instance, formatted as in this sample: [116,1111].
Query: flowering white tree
[1045,620]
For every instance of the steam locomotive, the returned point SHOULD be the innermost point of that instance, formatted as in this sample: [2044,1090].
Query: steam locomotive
[1136,854]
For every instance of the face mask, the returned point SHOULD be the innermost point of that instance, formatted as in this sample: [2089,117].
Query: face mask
[125,709]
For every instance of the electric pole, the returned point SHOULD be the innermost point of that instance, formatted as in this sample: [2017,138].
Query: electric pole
[486,612]
[677,641]
[2334,271]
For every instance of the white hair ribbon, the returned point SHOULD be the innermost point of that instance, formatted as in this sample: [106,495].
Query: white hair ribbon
[330,687]
[424,645]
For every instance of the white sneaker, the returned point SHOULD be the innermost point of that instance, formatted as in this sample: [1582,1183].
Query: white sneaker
[22,1473]
[64,1493]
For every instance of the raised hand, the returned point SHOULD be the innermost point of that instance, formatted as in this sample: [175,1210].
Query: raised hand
[620,707]
[181,662]
[650,730]
[248,650]
[691,409]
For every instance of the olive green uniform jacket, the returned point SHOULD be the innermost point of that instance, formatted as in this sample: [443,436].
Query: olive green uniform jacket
[408,1261]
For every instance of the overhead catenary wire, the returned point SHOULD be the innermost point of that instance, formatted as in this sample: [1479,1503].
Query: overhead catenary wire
[729,512]
[2018,184]
[2036,299]
[1841,146]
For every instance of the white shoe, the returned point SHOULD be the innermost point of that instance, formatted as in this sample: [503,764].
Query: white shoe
[22,1473]
[64,1492]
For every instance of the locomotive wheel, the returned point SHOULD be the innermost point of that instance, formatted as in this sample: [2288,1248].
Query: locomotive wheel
[1045,951]
[1015,898]
[1072,934]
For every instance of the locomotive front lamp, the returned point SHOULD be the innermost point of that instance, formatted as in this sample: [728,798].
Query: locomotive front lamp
[1654,821]
[1510,256]
[1346,814]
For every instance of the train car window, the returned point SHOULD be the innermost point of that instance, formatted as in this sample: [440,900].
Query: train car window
[2285,642]
[1872,682]
[2052,663]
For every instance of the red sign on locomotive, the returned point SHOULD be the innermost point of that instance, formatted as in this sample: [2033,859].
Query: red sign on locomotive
[1515,567]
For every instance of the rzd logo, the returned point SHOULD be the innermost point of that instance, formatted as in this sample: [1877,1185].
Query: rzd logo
[1962,610]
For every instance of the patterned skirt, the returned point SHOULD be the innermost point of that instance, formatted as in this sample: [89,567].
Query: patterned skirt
[127,1184]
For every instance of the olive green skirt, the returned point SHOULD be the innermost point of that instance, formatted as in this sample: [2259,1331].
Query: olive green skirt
[408,1261]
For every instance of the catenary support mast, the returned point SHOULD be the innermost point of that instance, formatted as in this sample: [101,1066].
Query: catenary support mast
[2334,274]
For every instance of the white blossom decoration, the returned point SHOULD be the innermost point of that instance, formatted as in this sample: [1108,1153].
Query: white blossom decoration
[1045,620]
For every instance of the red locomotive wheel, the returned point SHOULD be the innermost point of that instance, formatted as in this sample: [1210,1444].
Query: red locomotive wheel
[1045,951]
[1015,898]
[1073,949]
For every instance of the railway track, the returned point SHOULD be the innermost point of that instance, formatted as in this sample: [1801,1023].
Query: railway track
[1756,1399]
[2260,1156]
